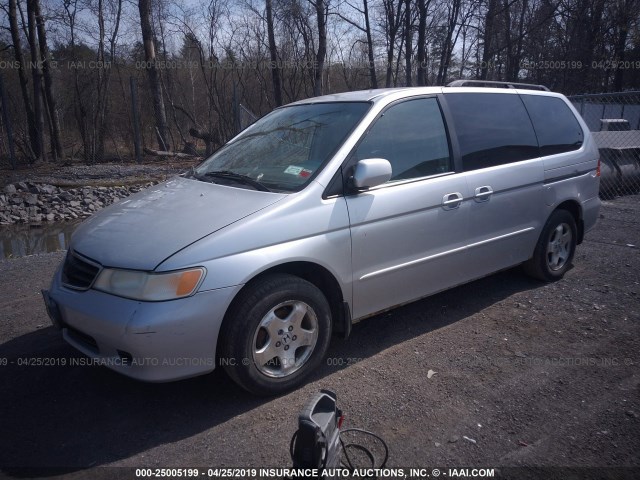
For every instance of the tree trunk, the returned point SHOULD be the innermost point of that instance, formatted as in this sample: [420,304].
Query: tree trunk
[367,26]
[37,143]
[422,37]
[322,46]
[508,40]
[54,127]
[393,16]
[22,74]
[98,126]
[144,7]
[273,54]
[408,33]
[623,21]
[447,48]
[487,51]
[515,63]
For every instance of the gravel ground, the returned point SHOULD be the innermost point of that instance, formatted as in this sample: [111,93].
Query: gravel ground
[50,192]
[105,174]
[536,375]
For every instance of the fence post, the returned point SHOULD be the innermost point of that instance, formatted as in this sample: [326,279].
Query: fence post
[7,124]
[136,126]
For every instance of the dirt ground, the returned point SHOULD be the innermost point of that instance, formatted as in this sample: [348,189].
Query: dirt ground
[526,374]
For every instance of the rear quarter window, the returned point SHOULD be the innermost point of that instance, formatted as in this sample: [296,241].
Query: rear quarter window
[555,124]
[492,129]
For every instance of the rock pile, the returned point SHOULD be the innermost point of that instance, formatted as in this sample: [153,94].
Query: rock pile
[26,202]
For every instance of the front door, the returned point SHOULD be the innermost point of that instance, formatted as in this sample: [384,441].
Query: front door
[409,234]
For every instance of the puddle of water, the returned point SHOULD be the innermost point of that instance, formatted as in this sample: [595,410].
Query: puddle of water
[23,240]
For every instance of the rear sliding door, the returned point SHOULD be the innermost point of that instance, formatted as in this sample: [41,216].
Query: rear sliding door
[504,175]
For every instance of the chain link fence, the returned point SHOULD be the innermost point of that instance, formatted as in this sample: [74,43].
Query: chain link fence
[614,120]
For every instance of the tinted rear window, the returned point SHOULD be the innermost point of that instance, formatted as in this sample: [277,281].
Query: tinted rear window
[555,125]
[492,129]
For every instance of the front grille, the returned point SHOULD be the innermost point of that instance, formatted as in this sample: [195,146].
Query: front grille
[78,273]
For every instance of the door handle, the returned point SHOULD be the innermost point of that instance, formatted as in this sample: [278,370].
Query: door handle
[452,200]
[482,194]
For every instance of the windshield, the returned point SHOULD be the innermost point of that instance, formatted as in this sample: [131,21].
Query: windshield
[284,149]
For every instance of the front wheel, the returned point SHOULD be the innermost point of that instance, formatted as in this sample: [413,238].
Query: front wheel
[275,334]
[555,248]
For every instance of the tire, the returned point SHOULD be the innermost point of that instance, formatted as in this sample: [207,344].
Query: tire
[275,334]
[555,248]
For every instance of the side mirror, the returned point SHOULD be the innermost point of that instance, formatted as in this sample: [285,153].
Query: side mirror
[370,173]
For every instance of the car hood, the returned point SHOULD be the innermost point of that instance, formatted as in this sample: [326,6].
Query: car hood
[143,230]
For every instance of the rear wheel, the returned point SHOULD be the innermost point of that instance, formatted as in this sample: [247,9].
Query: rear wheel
[555,248]
[276,333]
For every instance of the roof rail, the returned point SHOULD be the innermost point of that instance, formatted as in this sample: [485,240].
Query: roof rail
[491,83]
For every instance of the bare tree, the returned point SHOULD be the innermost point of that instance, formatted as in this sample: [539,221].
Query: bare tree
[24,80]
[52,114]
[79,108]
[36,79]
[144,7]
[298,47]
[514,14]
[448,44]
[488,38]
[467,32]
[214,77]
[321,7]
[423,8]
[392,22]
[408,41]
[366,29]
[290,45]
[625,14]
[99,125]
[273,55]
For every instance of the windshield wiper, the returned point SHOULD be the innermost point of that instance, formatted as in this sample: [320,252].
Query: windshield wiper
[237,177]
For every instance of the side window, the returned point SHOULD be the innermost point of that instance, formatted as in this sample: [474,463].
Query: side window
[412,136]
[492,129]
[557,128]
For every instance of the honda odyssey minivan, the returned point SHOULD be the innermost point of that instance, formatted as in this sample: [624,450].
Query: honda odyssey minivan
[322,213]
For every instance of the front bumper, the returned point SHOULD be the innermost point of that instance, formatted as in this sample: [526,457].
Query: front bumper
[150,341]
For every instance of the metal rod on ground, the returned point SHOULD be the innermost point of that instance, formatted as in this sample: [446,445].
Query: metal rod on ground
[161,140]
[236,113]
[7,124]
[136,126]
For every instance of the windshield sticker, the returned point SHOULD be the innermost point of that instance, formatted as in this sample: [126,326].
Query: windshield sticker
[298,171]
[293,170]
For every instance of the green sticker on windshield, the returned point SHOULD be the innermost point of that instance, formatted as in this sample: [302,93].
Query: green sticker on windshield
[293,170]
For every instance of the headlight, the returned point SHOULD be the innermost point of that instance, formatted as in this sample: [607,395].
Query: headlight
[149,286]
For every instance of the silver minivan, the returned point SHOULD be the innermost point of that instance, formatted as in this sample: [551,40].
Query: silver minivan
[320,214]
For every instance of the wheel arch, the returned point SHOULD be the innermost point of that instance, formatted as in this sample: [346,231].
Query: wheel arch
[322,279]
[574,208]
